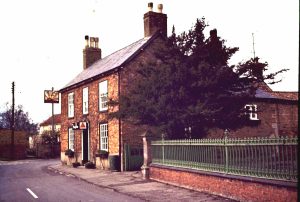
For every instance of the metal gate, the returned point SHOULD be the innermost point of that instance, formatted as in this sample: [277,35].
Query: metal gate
[133,157]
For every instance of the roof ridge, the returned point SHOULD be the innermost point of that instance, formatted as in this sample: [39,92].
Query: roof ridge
[110,62]
[121,49]
[278,91]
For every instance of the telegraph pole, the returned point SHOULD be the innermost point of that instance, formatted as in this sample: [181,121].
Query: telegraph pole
[253,45]
[52,115]
[12,126]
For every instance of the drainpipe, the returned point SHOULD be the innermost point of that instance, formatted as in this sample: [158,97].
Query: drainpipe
[120,130]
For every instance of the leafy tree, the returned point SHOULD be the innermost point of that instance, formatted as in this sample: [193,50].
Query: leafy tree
[50,138]
[22,120]
[191,85]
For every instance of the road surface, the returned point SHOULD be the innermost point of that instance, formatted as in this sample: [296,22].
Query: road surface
[30,180]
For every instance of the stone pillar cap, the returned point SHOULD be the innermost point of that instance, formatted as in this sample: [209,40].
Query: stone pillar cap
[147,133]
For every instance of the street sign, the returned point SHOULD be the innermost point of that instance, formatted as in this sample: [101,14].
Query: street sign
[82,125]
[75,126]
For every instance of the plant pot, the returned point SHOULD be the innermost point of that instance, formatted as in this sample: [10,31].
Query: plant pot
[102,154]
[76,164]
[71,155]
[90,165]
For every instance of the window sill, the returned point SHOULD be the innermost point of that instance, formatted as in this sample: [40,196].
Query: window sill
[103,111]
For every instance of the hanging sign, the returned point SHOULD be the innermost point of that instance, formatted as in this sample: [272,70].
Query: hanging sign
[51,96]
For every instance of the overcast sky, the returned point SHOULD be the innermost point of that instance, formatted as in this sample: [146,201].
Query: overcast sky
[41,41]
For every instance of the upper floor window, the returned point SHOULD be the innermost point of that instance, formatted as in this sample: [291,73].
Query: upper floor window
[85,100]
[71,139]
[251,110]
[103,95]
[103,137]
[71,105]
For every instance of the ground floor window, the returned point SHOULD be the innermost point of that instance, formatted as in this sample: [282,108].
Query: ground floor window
[71,139]
[103,137]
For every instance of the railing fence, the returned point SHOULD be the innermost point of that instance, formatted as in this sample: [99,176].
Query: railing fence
[270,158]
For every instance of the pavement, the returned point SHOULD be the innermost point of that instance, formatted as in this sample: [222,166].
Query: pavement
[132,184]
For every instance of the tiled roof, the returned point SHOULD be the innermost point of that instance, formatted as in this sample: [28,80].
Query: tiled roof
[260,93]
[110,62]
[48,122]
[264,91]
[285,95]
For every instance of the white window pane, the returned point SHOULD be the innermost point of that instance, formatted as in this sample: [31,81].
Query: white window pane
[103,87]
[70,104]
[71,139]
[103,94]
[103,137]
[85,98]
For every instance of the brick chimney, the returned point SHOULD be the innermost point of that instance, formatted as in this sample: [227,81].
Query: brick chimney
[154,21]
[91,52]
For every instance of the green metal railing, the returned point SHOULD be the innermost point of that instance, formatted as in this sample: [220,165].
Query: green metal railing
[270,158]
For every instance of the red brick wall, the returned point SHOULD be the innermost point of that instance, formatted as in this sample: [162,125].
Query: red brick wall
[94,117]
[231,188]
[131,133]
[20,144]
[272,114]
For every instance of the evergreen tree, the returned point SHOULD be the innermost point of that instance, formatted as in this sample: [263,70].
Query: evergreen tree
[191,85]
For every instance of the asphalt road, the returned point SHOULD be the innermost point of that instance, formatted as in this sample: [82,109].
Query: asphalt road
[30,180]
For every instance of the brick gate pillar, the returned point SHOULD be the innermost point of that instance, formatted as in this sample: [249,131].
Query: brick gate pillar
[147,136]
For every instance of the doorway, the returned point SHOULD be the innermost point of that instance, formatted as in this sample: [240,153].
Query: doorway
[85,143]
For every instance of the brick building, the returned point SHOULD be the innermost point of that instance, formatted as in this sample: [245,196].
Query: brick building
[84,99]
[271,114]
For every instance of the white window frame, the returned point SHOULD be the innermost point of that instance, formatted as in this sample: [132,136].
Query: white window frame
[252,111]
[103,95]
[85,100]
[103,136]
[71,138]
[71,105]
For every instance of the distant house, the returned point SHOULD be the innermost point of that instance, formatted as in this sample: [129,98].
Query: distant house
[47,124]
[46,127]
[85,127]
[271,114]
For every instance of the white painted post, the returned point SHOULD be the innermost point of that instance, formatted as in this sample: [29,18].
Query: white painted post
[147,154]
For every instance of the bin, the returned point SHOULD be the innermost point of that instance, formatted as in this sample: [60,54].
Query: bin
[114,162]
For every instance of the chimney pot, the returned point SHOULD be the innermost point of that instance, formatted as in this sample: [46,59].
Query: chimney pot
[150,6]
[96,42]
[160,8]
[92,42]
[86,37]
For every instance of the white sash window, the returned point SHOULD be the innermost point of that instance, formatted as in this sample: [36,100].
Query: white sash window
[71,105]
[103,96]
[71,139]
[85,100]
[103,137]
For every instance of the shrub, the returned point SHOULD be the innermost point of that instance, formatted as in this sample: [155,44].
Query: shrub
[102,154]
[69,153]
